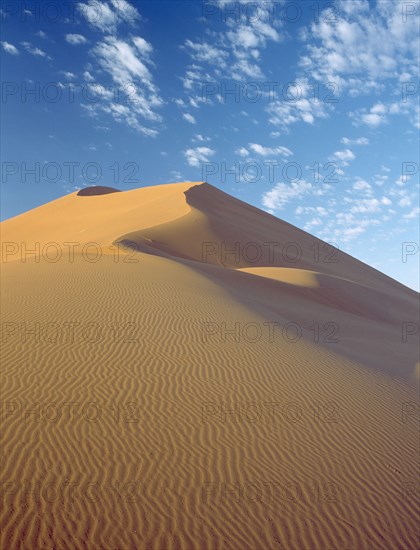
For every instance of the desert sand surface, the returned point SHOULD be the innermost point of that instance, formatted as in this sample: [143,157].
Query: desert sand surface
[181,370]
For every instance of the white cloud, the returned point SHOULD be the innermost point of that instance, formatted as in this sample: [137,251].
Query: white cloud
[144,47]
[176,175]
[134,95]
[34,50]
[68,75]
[320,210]
[299,105]
[380,179]
[362,49]
[195,101]
[106,16]
[270,151]
[120,60]
[360,39]
[99,15]
[282,193]
[414,214]
[9,48]
[355,6]
[242,152]
[351,232]
[363,206]
[200,137]
[357,141]
[405,201]
[196,156]
[344,156]
[41,34]
[263,151]
[362,185]
[88,77]
[378,115]
[202,51]
[189,118]
[231,54]
[126,11]
[312,223]
[348,227]
[75,39]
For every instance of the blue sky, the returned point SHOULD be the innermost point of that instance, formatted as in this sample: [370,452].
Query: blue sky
[308,110]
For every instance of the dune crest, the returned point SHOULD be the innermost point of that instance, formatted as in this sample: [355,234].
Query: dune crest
[96,190]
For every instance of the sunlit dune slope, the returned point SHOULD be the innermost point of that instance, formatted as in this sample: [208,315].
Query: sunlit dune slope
[196,222]
[191,220]
[97,218]
[238,403]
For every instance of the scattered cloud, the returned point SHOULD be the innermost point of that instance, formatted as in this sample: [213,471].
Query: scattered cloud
[189,118]
[9,48]
[414,214]
[68,75]
[375,116]
[106,16]
[360,44]
[176,176]
[75,39]
[301,106]
[88,77]
[343,157]
[196,156]
[200,138]
[356,141]
[231,54]
[132,97]
[34,50]
[282,193]
[363,186]
[242,152]
[319,210]
[379,114]
[262,151]
[269,151]
[365,206]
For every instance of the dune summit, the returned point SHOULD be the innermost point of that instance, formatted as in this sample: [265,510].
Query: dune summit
[183,370]
[96,190]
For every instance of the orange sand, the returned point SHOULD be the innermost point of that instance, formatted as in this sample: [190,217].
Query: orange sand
[174,395]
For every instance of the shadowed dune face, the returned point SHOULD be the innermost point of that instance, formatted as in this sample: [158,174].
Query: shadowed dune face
[222,230]
[96,190]
[288,267]
[218,401]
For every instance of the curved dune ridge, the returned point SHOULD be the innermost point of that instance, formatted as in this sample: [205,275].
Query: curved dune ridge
[171,381]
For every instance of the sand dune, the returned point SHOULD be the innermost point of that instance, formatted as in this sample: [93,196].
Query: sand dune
[161,391]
